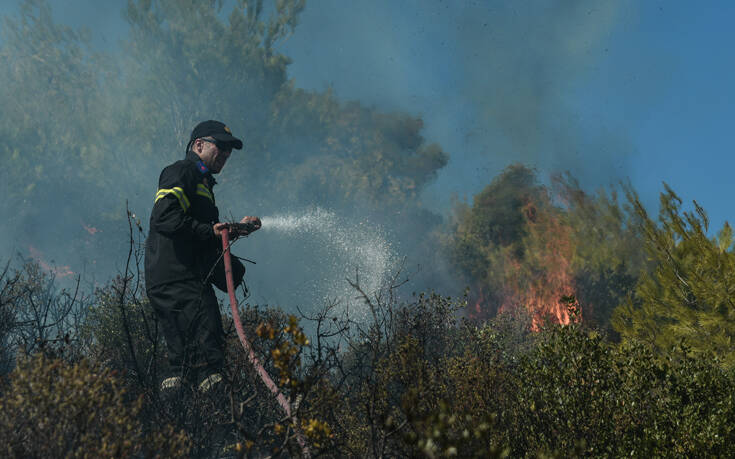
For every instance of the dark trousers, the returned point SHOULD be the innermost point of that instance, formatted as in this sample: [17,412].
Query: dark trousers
[189,316]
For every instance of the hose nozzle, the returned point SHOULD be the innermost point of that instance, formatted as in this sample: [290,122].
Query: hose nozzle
[244,228]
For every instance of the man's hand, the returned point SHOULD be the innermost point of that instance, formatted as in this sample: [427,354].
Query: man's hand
[218,228]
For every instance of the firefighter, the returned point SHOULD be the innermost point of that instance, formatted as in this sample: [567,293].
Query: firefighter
[183,258]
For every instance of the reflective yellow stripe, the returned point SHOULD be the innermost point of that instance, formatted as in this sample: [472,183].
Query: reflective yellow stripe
[202,190]
[176,191]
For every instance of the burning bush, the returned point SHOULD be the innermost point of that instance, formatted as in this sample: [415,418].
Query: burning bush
[523,245]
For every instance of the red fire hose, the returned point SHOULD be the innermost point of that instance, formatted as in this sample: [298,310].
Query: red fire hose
[267,380]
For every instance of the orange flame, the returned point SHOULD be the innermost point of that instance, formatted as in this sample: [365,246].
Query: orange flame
[540,280]
[479,309]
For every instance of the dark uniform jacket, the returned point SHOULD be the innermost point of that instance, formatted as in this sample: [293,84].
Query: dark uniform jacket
[181,244]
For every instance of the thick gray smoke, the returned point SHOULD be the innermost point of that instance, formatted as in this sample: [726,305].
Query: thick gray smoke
[88,123]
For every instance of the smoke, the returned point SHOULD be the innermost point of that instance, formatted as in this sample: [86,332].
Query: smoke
[92,125]
[495,82]
[524,62]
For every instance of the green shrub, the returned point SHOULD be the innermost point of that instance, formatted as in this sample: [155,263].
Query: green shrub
[497,389]
[52,409]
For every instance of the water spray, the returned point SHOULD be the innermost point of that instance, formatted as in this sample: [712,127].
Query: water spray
[344,246]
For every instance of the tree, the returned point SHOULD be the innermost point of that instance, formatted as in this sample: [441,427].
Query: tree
[608,256]
[689,295]
[51,91]
[493,229]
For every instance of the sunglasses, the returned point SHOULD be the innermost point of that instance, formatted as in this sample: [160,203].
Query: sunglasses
[220,146]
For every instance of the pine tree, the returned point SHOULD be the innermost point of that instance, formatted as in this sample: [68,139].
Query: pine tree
[690,293]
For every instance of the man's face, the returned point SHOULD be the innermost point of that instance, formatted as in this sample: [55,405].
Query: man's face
[213,156]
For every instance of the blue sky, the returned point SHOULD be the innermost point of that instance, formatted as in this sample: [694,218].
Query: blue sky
[666,82]
[607,90]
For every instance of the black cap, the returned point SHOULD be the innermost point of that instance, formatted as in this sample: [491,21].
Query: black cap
[217,131]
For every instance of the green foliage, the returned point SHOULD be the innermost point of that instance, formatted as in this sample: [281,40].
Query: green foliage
[361,396]
[446,433]
[688,296]
[185,65]
[497,390]
[580,392]
[52,409]
[495,219]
